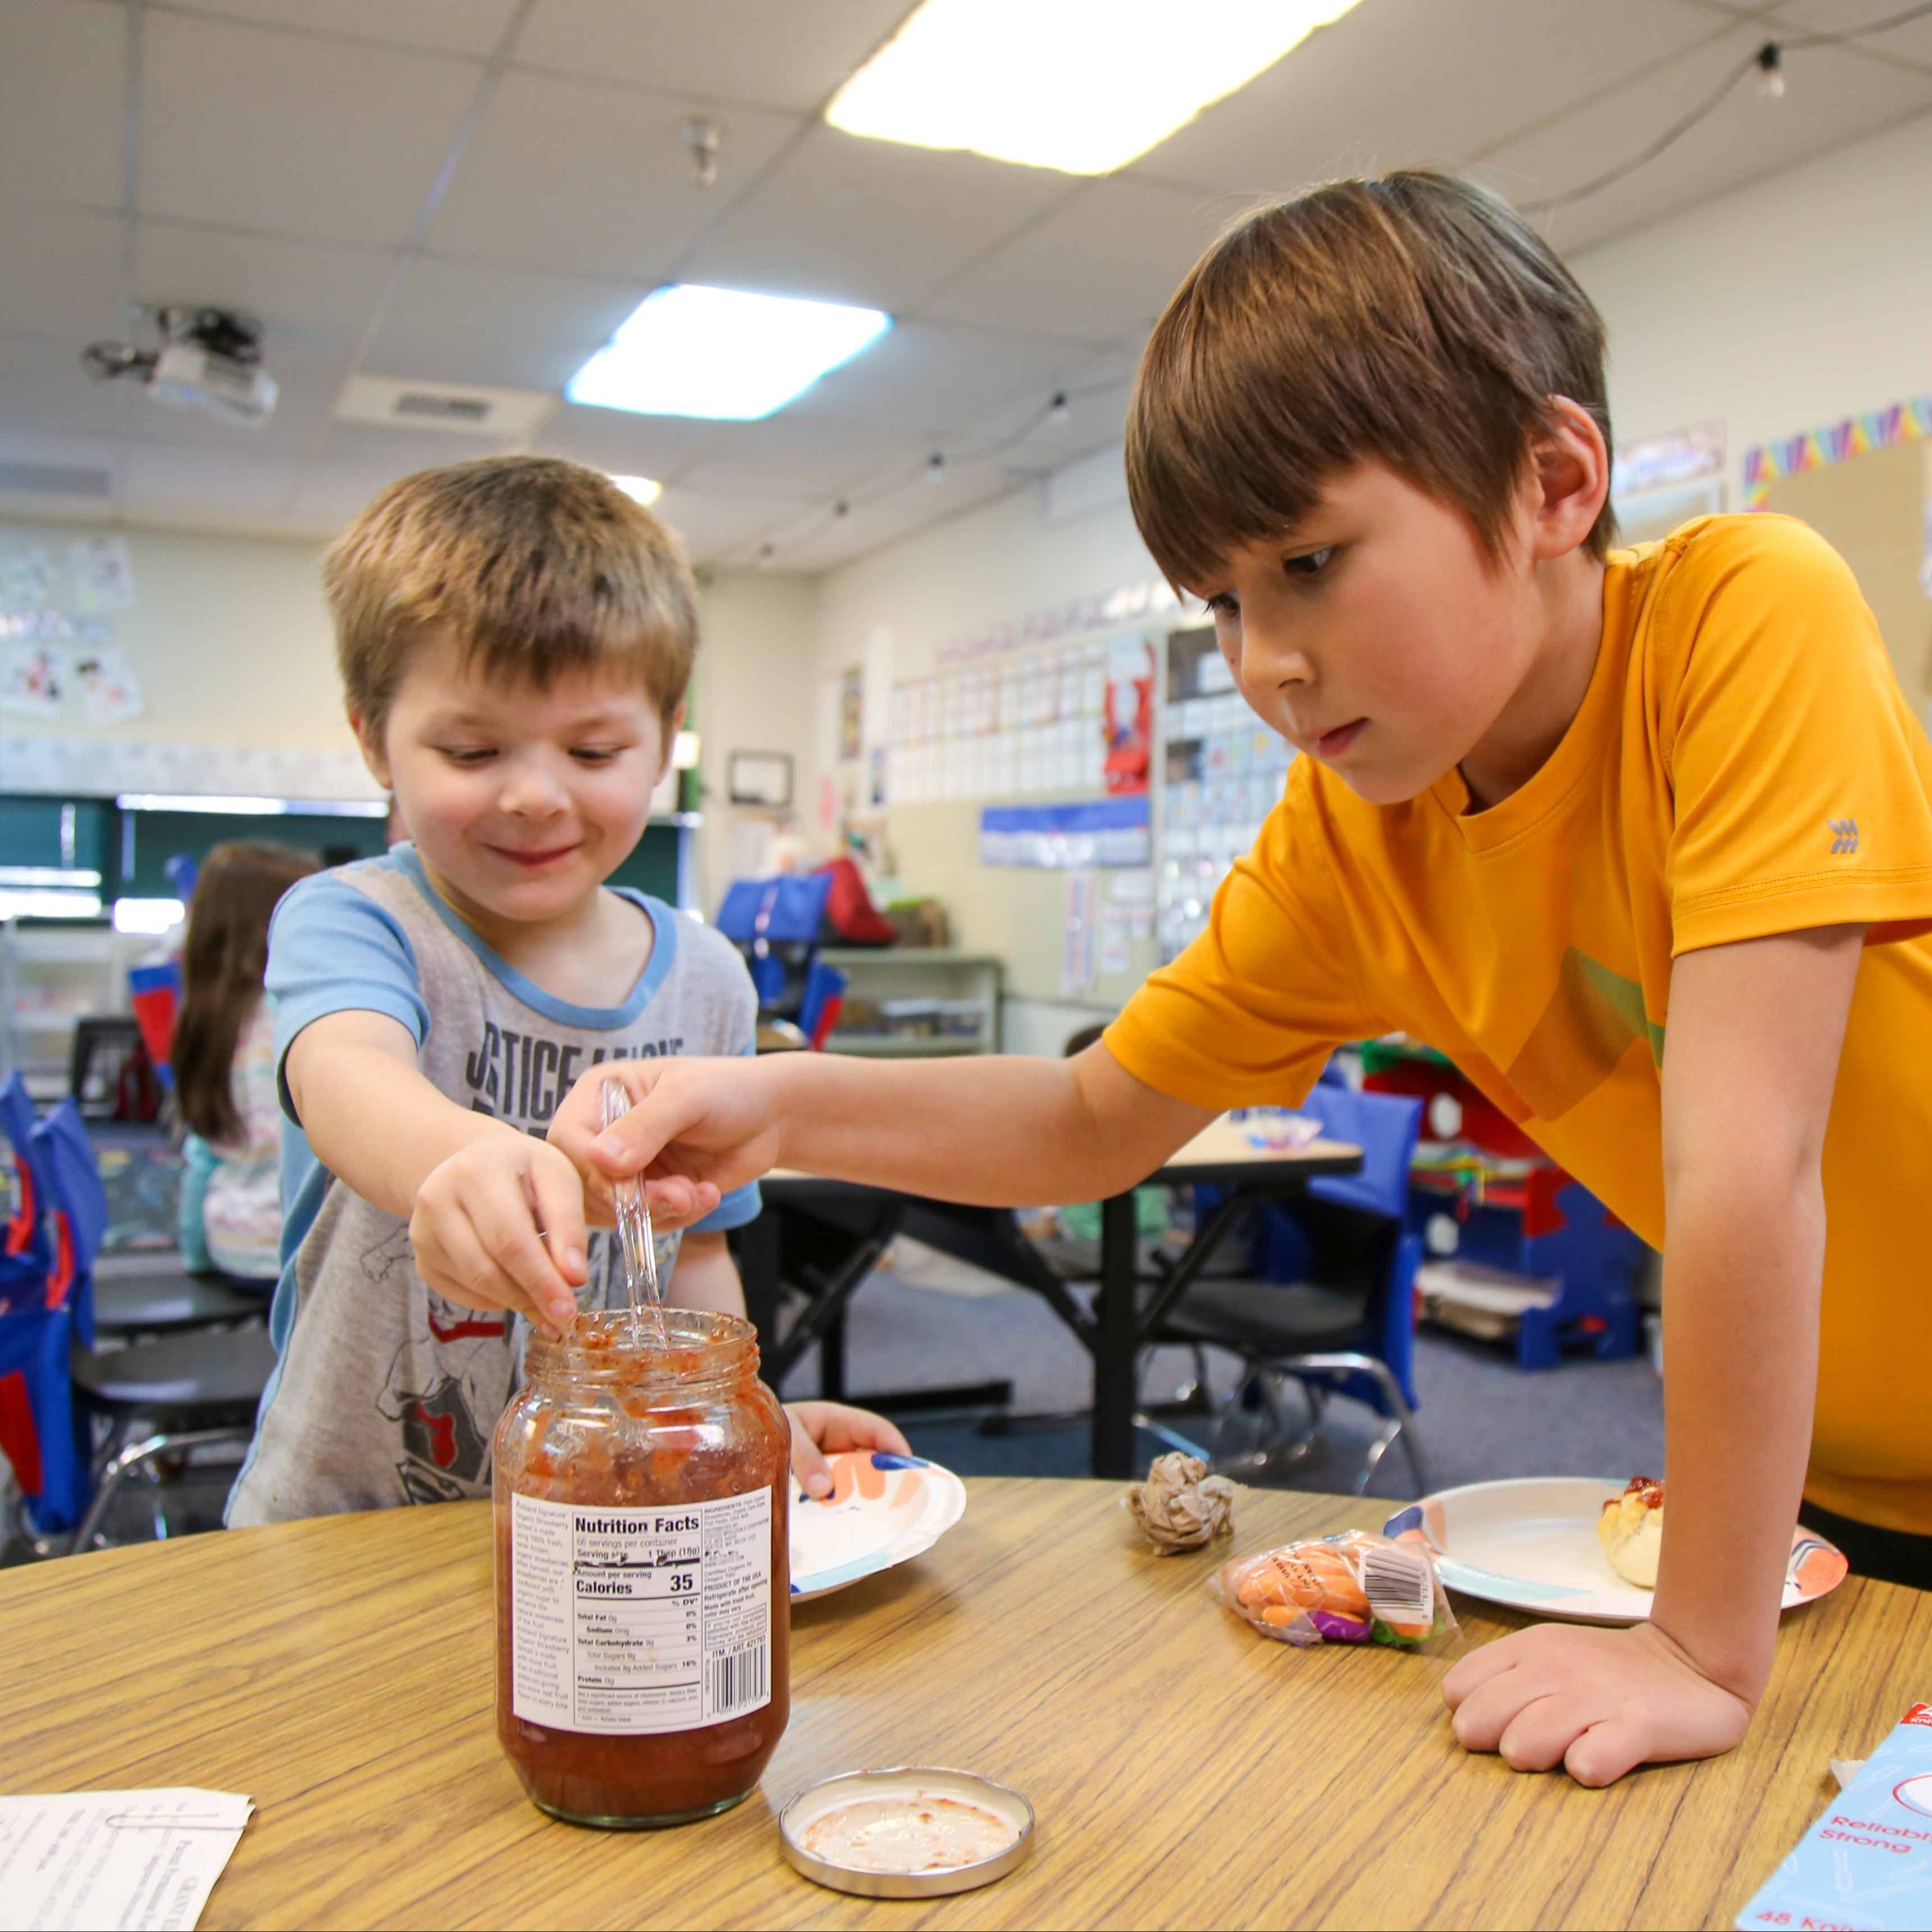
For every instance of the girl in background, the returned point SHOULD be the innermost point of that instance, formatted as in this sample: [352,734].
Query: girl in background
[224,1064]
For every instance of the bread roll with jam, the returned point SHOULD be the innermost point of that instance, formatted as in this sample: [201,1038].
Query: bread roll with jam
[1631,1530]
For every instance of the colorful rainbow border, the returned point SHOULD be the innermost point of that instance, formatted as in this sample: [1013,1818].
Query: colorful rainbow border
[1818,449]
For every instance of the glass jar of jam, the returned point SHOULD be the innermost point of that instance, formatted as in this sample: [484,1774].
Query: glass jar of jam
[642,1580]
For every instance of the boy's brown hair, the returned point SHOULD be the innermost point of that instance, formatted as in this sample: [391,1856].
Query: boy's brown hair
[537,566]
[1413,319]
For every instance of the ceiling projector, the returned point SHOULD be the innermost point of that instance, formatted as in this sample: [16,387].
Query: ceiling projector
[209,359]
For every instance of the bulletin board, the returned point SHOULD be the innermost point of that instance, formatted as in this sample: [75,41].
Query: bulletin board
[1027,727]
[1871,508]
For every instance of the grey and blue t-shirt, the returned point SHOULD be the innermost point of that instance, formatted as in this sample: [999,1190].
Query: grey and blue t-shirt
[385,1393]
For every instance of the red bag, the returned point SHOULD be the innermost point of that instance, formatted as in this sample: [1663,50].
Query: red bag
[849,914]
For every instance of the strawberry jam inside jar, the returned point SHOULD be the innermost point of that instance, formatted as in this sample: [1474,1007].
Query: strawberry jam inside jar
[642,1582]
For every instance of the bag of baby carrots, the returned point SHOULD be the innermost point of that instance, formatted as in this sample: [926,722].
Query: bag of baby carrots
[1355,1588]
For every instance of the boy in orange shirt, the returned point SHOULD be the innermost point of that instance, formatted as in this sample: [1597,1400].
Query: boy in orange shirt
[1640,839]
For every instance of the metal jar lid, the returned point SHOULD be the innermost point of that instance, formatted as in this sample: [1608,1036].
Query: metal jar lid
[908,1782]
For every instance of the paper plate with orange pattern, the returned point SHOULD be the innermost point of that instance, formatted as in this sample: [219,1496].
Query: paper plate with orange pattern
[1530,1544]
[883,1510]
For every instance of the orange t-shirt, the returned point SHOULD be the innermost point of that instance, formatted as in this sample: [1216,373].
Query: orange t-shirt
[1743,763]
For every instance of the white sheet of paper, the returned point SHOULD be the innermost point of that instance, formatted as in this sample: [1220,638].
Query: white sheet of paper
[77,1859]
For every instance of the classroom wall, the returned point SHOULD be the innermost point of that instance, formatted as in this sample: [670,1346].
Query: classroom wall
[754,691]
[228,636]
[232,643]
[1785,305]
[896,607]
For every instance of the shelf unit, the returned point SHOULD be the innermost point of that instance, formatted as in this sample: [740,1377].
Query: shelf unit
[53,973]
[907,978]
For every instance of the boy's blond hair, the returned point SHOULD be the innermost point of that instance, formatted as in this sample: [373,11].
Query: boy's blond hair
[1413,319]
[535,566]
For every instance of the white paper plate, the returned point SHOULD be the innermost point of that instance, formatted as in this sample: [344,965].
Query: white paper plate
[1530,1544]
[883,1510]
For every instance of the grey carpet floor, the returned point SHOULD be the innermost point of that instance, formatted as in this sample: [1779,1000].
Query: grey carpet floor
[925,1322]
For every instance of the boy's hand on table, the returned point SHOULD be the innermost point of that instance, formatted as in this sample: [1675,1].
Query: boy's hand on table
[499,1224]
[702,1127]
[1597,1702]
[822,1428]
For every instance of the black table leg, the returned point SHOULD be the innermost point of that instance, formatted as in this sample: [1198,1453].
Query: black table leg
[832,1355]
[755,1247]
[1117,1337]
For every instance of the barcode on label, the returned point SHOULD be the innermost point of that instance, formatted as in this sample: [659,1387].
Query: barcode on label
[1397,1584]
[737,1681]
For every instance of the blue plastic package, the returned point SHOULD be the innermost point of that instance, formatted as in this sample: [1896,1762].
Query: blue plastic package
[1866,1865]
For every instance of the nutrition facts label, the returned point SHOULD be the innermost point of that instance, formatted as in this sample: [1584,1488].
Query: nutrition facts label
[627,1621]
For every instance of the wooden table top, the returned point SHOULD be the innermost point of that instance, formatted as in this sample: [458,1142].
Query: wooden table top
[1221,1147]
[1185,1771]
[1224,1144]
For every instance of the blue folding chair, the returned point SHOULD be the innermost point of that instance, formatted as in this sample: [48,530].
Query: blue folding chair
[43,1435]
[157,1400]
[26,1249]
[1341,1319]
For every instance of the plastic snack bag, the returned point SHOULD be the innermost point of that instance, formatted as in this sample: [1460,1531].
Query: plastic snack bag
[1355,1588]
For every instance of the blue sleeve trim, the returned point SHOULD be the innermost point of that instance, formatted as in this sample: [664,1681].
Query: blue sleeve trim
[333,949]
[741,1206]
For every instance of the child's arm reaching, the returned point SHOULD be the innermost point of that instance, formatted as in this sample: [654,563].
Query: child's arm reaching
[1749,1065]
[1001,1131]
[477,1191]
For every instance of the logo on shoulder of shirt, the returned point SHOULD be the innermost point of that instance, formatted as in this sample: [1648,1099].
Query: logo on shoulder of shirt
[1844,836]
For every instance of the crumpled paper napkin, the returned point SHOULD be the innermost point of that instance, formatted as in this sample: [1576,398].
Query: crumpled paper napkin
[1180,1506]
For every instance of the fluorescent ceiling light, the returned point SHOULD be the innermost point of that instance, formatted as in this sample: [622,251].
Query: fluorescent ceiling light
[47,875]
[252,808]
[31,904]
[688,351]
[148,915]
[1081,85]
[640,489]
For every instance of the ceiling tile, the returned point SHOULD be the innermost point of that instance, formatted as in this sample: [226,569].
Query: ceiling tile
[62,82]
[44,387]
[711,522]
[630,445]
[513,329]
[312,298]
[28,446]
[773,53]
[291,133]
[331,492]
[70,296]
[1910,42]
[597,179]
[186,477]
[854,221]
[934,379]
[786,455]
[1099,263]
[384,454]
[357,460]
[1832,97]
[1374,90]
[440,26]
[817,543]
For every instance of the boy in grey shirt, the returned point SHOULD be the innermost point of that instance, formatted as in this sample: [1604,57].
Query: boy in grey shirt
[515,635]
